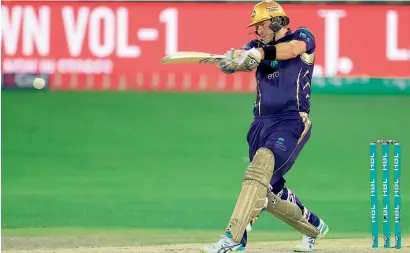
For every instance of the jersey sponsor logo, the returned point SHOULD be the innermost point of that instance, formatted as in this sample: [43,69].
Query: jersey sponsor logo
[305,33]
[273,75]
[274,64]
[280,144]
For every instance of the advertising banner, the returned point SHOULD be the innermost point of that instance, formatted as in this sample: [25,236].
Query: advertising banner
[119,45]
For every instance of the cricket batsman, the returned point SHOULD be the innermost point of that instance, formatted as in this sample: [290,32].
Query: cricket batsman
[284,61]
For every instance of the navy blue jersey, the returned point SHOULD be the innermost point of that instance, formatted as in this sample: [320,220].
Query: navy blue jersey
[283,87]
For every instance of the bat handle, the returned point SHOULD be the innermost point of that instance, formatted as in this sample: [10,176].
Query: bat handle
[231,54]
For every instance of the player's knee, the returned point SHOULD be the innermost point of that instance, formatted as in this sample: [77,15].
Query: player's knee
[277,186]
[262,166]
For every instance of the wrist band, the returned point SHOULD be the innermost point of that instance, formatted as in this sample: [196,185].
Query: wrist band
[270,53]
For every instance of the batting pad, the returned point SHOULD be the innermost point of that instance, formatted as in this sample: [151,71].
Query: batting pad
[252,198]
[290,213]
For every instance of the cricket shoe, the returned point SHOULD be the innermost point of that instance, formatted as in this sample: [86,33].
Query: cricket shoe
[224,245]
[308,243]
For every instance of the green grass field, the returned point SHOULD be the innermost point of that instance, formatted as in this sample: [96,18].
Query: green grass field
[129,161]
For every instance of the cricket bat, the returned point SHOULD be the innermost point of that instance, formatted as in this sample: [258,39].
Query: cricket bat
[193,57]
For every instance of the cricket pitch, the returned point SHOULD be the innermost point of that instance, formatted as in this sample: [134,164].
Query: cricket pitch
[50,245]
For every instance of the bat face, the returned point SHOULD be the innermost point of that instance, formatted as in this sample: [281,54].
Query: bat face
[192,57]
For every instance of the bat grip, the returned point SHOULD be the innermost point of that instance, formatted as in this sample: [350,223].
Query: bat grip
[231,54]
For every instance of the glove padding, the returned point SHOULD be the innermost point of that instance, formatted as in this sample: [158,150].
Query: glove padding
[247,61]
[240,60]
[226,64]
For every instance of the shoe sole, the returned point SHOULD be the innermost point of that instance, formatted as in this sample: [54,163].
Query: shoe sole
[299,250]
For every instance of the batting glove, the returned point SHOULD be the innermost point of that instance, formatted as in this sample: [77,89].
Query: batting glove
[247,61]
[226,64]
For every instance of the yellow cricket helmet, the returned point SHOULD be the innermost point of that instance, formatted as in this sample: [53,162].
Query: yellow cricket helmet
[266,10]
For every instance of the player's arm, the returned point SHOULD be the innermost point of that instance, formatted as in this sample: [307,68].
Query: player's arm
[303,41]
[251,58]
[283,51]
